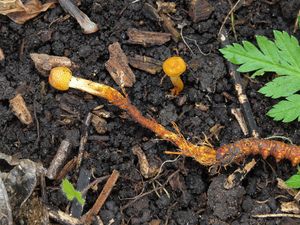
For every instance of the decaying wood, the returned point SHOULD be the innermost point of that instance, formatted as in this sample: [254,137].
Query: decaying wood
[145,63]
[63,218]
[82,182]
[87,218]
[169,26]
[2,56]
[59,158]
[19,108]
[200,10]
[44,63]
[147,38]
[118,67]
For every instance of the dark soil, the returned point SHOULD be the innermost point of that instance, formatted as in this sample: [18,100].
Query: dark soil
[194,196]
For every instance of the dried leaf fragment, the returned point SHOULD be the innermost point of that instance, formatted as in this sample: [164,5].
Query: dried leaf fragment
[147,38]
[118,67]
[145,63]
[20,109]
[21,12]
[44,63]
[200,10]
[146,170]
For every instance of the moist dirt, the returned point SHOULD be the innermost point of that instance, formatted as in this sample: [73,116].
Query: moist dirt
[192,195]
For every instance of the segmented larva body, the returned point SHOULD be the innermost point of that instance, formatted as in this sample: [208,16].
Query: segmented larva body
[237,151]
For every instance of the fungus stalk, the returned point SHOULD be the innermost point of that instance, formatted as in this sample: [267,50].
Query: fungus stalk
[84,21]
[61,78]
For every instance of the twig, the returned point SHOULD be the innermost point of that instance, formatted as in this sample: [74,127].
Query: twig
[95,182]
[87,218]
[59,158]
[223,37]
[276,215]
[68,167]
[43,188]
[83,139]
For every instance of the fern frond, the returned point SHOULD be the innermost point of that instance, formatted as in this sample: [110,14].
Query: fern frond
[281,56]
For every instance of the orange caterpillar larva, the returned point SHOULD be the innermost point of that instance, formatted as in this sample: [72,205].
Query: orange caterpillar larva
[252,146]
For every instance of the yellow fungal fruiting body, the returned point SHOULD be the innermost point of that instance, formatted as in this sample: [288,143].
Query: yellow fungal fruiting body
[174,67]
[60,78]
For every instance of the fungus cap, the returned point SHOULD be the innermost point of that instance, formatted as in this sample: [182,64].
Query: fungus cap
[60,78]
[174,66]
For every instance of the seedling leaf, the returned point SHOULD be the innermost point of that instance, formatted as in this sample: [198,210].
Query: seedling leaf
[293,181]
[71,192]
[281,56]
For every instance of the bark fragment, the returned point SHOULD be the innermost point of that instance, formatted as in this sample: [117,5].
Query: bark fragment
[200,10]
[145,63]
[118,67]
[147,38]
[44,63]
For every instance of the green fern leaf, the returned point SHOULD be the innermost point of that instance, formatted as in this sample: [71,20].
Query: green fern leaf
[281,56]
[283,86]
[286,110]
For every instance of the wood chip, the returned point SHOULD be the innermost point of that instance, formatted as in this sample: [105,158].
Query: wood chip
[99,124]
[118,67]
[19,108]
[166,7]
[169,26]
[241,120]
[147,38]
[145,63]
[44,63]
[200,10]
[290,207]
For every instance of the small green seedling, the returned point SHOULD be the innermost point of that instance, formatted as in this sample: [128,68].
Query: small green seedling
[281,56]
[71,192]
[294,181]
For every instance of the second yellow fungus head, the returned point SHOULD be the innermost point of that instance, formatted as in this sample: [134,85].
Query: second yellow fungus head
[60,78]
[174,66]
